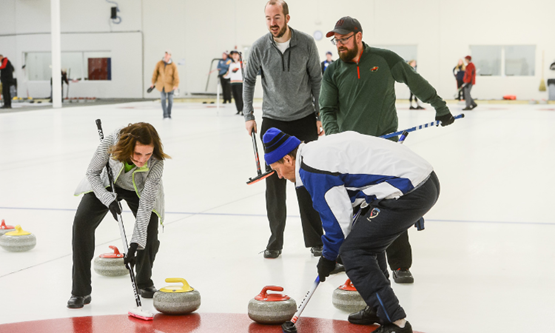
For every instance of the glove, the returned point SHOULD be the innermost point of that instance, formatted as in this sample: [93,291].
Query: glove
[130,256]
[325,267]
[115,208]
[446,119]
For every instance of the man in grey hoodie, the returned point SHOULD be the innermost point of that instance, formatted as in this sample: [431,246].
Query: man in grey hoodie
[289,65]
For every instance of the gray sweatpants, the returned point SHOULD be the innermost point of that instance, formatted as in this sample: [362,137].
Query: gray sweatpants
[468,99]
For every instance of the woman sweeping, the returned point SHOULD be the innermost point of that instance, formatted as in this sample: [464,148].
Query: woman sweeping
[136,156]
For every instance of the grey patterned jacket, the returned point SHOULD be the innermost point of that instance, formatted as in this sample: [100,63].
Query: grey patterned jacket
[147,182]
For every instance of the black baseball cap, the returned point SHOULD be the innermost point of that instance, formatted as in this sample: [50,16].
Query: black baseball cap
[345,25]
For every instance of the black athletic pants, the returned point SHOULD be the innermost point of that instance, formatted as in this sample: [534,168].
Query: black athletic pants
[6,96]
[226,89]
[305,130]
[460,95]
[237,90]
[363,251]
[88,217]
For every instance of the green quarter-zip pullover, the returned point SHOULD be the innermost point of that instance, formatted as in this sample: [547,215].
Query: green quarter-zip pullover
[361,97]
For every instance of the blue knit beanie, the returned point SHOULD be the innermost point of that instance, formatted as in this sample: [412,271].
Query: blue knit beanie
[278,144]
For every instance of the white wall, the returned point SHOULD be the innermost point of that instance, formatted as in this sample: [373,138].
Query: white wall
[198,31]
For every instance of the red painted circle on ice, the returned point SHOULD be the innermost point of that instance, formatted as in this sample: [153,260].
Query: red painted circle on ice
[197,322]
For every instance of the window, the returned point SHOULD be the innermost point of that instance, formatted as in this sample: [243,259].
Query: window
[487,59]
[38,66]
[407,52]
[79,65]
[520,60]
[504,60]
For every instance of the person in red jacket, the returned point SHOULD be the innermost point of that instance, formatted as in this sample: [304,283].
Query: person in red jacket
[6,78]
[469,81]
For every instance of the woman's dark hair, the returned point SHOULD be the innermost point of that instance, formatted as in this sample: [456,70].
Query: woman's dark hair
[145,134]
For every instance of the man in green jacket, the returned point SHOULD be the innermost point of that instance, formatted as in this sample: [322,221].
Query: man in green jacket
[358,94]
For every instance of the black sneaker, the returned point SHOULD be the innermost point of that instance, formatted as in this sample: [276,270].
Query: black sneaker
[474,105]
[147,292]
[366,316]
[468,108]
[338,269]
[420,108]
[77,302]
[392,328]
[271,254]
[402,276]
[317,251]
[412,107]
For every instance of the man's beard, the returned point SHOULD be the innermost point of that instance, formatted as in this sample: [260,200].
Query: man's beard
[349,55]
[280,32]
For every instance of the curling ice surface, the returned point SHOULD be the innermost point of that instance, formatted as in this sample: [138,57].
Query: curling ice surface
[479,243]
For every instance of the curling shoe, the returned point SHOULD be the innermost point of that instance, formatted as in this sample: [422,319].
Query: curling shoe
[271,254]
[77,302]
[402,276]
[338,269]
[317,251]
[392,328]
[147,292]
[366,316]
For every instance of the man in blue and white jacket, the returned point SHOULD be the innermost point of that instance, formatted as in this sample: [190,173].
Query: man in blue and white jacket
[344,173]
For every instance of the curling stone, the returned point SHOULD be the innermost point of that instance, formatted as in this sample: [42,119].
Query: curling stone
[5,228]
[110,264]
[347,298]
[177,300]
[271,308]
[18,240]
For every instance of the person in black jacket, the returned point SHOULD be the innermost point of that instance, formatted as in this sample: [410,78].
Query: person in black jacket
[326,62]
[458,72]
[6,77]
[64,79]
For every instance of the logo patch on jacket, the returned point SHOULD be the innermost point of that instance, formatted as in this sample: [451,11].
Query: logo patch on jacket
[374,69]
[373,213]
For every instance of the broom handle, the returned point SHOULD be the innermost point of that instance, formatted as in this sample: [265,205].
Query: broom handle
[305,300]
[255,149]
[543,55]
[419,127]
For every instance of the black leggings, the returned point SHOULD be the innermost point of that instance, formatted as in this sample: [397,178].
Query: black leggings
[226,89]
[415,99]
[6,94]
[88,217]
[237,90]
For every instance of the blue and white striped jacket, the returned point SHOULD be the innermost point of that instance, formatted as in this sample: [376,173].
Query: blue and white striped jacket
[344,170]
